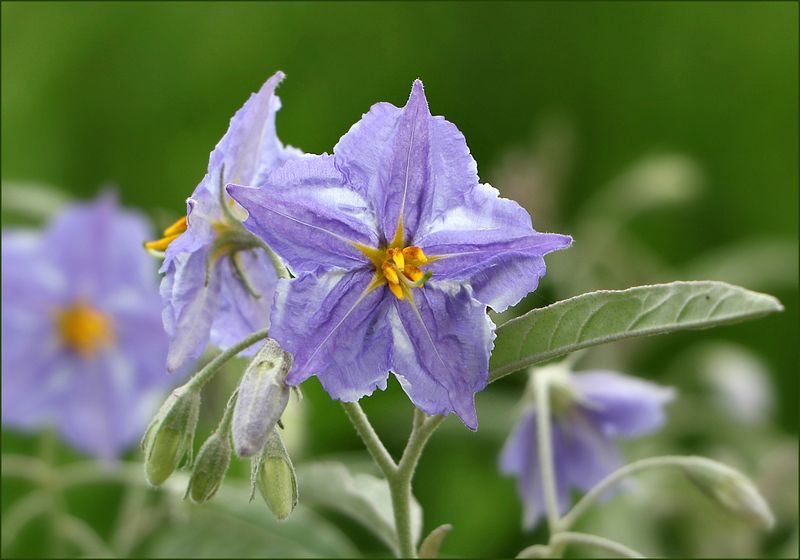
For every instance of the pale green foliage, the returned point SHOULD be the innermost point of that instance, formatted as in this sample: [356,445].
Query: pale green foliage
[606,316]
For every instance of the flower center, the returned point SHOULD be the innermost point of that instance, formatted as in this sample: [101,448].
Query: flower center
[170,235]
[84,329]
[398,267]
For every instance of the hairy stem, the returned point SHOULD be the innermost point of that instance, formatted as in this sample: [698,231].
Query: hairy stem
[600,543]
[204,375]
[400,484]
[615,477]
[370,438]
[398,475]
[545,447]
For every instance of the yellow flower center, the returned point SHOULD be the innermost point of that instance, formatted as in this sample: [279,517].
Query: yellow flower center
[84,329]
[397,266]
[170,235]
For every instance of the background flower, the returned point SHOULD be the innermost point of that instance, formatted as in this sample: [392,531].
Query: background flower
[591,410]
[82,346]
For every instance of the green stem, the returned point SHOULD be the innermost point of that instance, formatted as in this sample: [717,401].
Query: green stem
[618,475]
[370,438]
[22,512]
[50,484]
[128,526]
[400,484]
[545,447]
[600,543]
[398,475]
[422,430]
[204,375]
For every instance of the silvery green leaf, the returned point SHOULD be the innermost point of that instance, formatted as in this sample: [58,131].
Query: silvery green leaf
[607,316]
[363,497]
[433,542]
[230,527]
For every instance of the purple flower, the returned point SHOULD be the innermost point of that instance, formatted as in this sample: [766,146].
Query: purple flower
[397,249]
[591,410]
[83,349]
[218,283]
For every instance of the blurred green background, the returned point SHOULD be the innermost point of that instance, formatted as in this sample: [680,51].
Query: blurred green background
[579,110]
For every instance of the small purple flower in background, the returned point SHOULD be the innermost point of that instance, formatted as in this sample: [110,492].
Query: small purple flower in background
[218,283]
[82,345]
[398,249]
[591,410]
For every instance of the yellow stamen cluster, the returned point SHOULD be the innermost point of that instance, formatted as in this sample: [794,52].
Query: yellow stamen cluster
[84,329]
[170,235]
[400,269]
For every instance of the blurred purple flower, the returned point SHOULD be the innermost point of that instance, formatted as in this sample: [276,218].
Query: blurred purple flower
[82,344]
[590,412]
[218,284]
[398,203]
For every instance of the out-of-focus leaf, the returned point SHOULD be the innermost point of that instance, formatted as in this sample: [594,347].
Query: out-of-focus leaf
[363,497]
[32,201]
[606,316]
[229,526]
[433,542]
[653,181]
[757,264]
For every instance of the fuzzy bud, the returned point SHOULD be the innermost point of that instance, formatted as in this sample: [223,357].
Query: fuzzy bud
[732,491]
[273,474]
[170,435]
[210,467]
[263,396]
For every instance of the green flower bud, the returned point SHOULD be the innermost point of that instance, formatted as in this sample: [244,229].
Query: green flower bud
[262,399]
[732,491]
[170,435]
[273,474]
[210,467]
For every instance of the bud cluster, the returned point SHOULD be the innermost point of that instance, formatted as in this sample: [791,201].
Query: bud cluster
[248,426]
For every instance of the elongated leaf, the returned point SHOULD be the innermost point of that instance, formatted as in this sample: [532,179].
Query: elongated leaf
[600,317]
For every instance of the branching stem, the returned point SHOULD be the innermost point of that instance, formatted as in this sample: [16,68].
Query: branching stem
[398,475]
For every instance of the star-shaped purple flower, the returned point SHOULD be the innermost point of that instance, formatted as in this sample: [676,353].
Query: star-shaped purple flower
[397,249]
[83,348]
[218,284]
[591,411]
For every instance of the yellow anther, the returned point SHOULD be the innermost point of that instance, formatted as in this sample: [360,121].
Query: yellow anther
[396,290]
[170,235]
[178,227]
[84,329]
[397,256]
[413,273]
[415,254]
[397,266]
[390,273]
[161,244]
